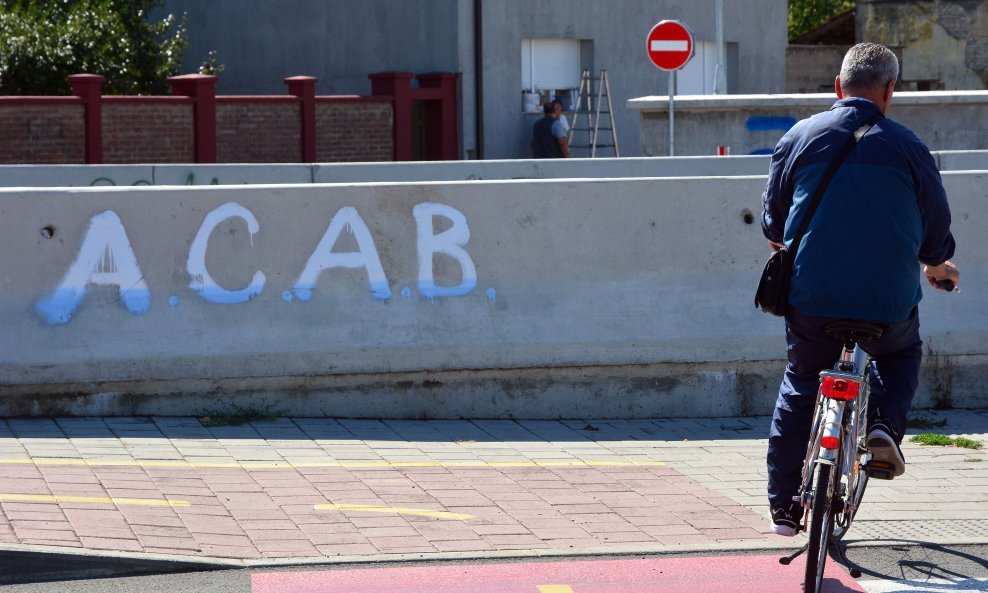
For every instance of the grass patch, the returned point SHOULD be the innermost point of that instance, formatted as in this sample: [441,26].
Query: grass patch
[925,423]
[931,438]
[973,460]
[238,415]
[967,443]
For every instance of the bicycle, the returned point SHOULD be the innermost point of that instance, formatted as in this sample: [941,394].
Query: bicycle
[838,464]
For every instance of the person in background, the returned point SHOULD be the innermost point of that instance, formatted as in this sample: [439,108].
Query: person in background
[548,137]
[562,115]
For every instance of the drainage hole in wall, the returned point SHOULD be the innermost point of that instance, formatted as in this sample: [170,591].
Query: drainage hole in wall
[48,231]
[747,216]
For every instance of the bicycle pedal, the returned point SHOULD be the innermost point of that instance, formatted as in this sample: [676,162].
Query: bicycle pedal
[880,470]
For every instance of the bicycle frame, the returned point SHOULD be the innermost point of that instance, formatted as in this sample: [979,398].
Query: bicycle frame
[833,470]
[844,420]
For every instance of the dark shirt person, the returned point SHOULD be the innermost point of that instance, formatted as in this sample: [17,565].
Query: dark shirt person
[548,136]
[884,212]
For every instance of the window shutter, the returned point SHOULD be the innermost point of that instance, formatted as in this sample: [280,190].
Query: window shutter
[555,63]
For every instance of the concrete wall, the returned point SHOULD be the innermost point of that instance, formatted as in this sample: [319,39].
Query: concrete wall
[696,166]
[567,298]
[944,43]
[956,120]
[812,68]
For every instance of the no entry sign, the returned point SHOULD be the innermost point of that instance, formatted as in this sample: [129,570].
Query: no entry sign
[669,45]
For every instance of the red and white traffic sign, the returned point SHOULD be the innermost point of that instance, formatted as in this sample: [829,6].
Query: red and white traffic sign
[669,45]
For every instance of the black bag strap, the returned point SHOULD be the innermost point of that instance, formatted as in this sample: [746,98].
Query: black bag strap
[835,164]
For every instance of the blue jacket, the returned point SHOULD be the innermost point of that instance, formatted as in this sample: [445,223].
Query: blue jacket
[884,211]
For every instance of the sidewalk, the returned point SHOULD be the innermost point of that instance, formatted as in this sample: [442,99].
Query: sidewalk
[307,490]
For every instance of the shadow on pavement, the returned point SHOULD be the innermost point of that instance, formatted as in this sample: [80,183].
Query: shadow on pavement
[42,567]
[921,561]
[298,428]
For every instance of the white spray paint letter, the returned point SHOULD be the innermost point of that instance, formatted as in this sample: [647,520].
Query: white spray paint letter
[324,257]
[202,282]
[105,258]
[449,242]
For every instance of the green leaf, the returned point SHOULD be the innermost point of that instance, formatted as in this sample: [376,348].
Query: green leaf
[806,15]
[42,43]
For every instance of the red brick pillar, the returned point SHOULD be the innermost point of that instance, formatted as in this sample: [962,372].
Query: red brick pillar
[304,87]
[88,87]
[443,119]
[397,85]
[202,89]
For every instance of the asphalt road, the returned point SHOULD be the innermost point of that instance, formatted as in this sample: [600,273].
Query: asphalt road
[906,567]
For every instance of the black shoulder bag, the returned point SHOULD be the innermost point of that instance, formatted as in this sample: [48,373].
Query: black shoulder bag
[772,294]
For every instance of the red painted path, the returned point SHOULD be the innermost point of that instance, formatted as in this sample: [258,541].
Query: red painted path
[713,574]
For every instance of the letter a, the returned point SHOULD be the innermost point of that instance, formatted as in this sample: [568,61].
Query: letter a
[105,258]
[365,257]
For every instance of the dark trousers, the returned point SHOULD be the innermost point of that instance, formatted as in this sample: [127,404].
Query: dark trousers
[894,379]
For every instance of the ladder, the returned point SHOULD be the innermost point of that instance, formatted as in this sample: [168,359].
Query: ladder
[585,104]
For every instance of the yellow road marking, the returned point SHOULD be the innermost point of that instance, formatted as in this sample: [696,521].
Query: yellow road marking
[397,510]
[145,502]
[555,589]
[318,464]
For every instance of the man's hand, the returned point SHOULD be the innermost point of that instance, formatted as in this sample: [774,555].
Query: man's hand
[945,271]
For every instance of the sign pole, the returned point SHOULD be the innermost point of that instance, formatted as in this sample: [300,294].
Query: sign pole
[720,78]
[672,102]
[669,46]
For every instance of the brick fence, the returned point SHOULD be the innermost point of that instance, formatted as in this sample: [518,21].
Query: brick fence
[47,130]
[195,125]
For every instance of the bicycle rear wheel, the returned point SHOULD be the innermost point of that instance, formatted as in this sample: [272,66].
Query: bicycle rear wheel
[821,526]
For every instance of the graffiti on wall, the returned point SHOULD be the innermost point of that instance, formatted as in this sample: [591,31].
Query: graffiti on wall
[771,126]
[190,179]
[106,258]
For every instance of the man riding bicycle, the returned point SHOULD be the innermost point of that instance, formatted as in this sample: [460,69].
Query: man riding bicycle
[884,210]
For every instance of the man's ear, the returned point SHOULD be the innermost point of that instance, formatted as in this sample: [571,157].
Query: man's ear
[837,90]
[888,91]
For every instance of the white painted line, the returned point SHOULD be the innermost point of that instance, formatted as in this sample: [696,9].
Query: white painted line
[145,502]
[959,585]
[669,45]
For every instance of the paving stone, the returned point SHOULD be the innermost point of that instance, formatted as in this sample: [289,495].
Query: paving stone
[709,493]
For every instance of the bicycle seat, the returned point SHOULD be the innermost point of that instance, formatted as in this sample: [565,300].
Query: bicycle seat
[849,330]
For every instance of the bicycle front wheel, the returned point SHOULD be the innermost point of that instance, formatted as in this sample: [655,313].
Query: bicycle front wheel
[821,526]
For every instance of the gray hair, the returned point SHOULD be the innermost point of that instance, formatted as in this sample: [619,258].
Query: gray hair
[868,66]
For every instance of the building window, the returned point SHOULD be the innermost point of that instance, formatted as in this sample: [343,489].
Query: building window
[697,77]
[550,68]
